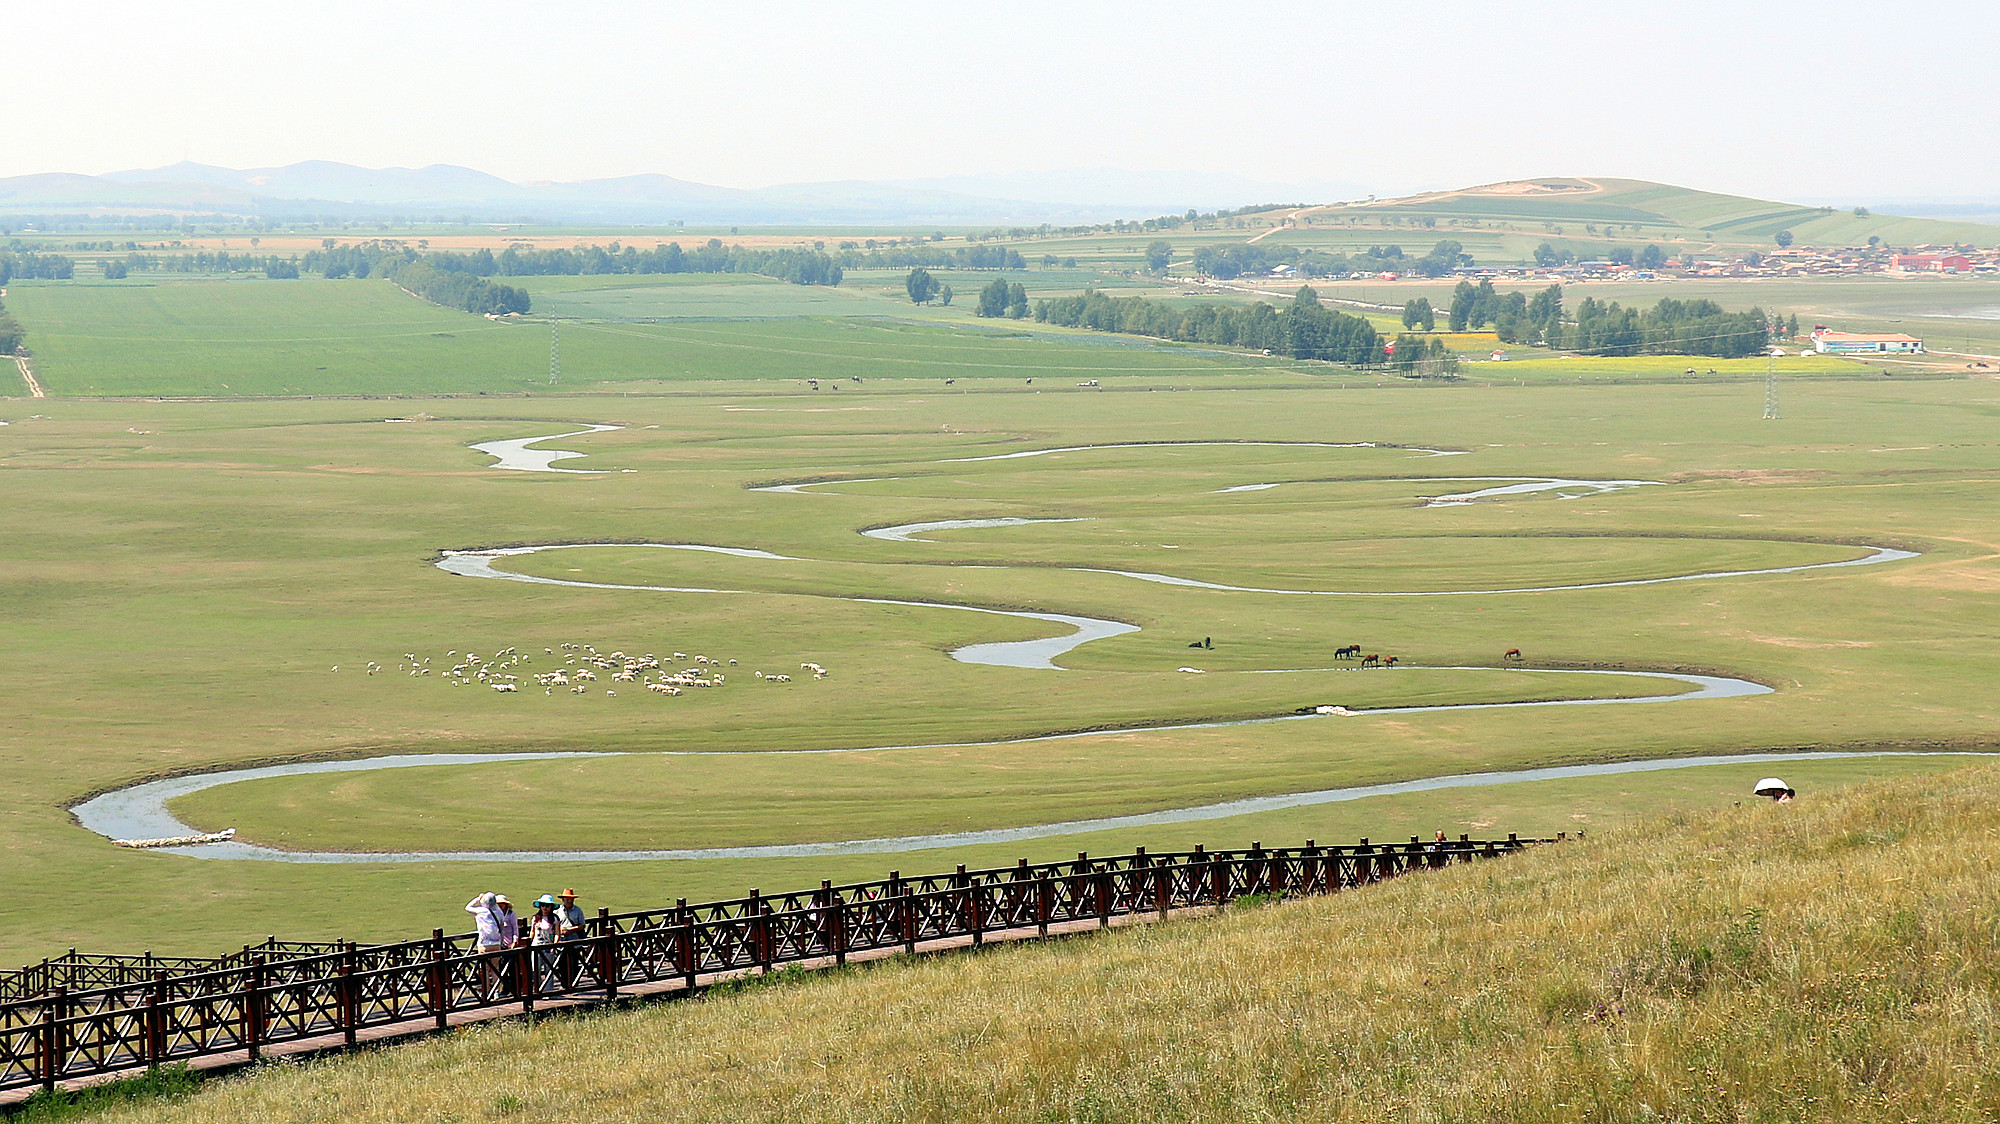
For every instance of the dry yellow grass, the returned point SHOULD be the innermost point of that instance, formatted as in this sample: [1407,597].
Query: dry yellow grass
[1829,960]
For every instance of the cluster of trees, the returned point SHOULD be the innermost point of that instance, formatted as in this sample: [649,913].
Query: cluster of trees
[935,257]
[31,266]
[1445,258]
[1671,327]
[1649,256]
[1227,263]
[456,290]
[799,266]
[1419,314]
[11,335]
[1003,299]
[1304,329]
[1422,357]
[354,260]
[1516,318]
[219,261]
[923,288]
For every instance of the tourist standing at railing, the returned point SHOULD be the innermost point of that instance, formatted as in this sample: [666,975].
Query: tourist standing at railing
[493,916]
[510,922]
[543,928]
[485,911]
[570,927]
[570,924]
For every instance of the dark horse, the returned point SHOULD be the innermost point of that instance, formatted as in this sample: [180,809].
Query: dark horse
[1352,651]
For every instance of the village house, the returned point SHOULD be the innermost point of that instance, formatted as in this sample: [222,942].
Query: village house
[1828,342]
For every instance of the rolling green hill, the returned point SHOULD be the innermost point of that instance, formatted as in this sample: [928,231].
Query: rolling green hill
[1831,959]
[1644,210]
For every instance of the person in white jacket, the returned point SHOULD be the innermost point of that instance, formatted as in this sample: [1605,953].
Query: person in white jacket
[493,916]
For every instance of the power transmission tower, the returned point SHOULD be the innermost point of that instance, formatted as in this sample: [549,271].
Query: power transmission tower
[1770,388]
[555,351]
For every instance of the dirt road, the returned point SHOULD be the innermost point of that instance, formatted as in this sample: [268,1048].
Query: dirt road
[28,376]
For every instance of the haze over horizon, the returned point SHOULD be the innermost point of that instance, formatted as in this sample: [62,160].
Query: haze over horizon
[1774,100]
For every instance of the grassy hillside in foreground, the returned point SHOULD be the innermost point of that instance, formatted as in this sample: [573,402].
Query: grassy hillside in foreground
[1827,960]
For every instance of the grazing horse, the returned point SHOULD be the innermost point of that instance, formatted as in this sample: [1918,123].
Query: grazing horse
[1371,660]
[1351,651]
[1388,661]
[1512,654]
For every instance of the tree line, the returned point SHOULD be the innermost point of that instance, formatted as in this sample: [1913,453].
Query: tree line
[457,290]
[799,266]
[1226,263]
[11,333]
[1671,327]
[1303,329]
[27,265]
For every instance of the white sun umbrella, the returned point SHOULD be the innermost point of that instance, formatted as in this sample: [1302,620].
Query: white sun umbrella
[1771,786]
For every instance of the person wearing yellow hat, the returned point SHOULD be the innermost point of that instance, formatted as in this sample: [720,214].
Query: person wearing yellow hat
[569,929]
[569,918]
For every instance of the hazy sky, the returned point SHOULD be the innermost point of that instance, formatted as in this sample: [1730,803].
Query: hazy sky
[1847,101]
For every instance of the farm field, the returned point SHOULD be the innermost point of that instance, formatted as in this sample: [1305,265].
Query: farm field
[254,338]
[186,576]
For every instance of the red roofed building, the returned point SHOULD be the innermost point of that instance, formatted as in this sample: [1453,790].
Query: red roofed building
[1930,263]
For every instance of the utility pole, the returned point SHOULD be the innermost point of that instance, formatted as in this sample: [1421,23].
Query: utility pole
[555,351]
[1770,388]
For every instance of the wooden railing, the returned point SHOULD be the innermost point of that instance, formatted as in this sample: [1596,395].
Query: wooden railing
[84,1016]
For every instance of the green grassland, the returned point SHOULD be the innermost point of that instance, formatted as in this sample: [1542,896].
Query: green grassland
[1831,959]
[183,576]
[202,338]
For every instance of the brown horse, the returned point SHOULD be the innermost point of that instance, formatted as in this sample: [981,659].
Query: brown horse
[1512,654]
[1351,651]
[1371,660]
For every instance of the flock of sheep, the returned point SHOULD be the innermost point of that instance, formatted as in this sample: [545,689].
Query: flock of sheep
[580,666]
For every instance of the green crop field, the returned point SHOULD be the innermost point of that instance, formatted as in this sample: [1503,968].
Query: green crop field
[184,577]
[261,338]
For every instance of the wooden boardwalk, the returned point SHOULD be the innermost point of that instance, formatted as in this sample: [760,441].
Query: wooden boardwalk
[81,1020]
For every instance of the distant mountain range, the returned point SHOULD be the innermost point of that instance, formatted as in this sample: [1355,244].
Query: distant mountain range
[319,188]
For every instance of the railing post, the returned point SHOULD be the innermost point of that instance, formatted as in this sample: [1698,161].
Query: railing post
[906,916]
[438,1004]
[53,1012]
[1162,889]
[684,948]
[156,1029]
[766,942]
[974,920]
[607,953]
[1100,888]
[350,997]
[253,1008]
[838,910]
[1041,901]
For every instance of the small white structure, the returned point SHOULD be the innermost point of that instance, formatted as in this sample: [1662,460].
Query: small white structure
[1828,342]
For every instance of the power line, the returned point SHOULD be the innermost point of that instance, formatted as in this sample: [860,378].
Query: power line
[555,351]
[1770,388]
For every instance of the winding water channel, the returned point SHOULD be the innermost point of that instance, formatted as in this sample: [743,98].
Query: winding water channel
[140,811]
